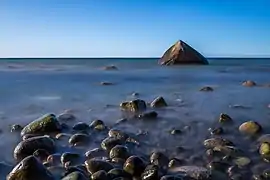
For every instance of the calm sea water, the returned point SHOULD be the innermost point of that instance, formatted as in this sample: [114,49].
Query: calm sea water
[31,87]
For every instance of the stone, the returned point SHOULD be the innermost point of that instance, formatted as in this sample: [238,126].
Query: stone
[224,118]
[30,168]
[207,89]
[214,142]
[250,128]
[95,165]
[195,172]
[249,83]
[136,105]
[29,146]
[76,175]
[43,125]
[180,54]
[158,102]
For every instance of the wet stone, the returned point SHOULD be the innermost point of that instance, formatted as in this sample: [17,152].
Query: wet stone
[158,102]
[134,165]
[119,151]
[76,175]
[249,83]
[216,131]
[117,173]
[175,162]
[213,142]
[109,142]
[207,89]
[43,125]
[116,133]
[118,162]
[54,159]
[81,126]
[29,146]
[100,175]
[30,168]
[242,161]
[96,152]
[136,105]
[225,118]
[73,158]
[16,128]
[148,115]
[218,166]
[228,150]
[94,165]
[41,154]
[176,132]
[159,159]
[151,172]
[250,128]
[79,139]
[195,172]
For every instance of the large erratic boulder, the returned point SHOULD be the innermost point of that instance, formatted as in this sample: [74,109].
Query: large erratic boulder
[182,54]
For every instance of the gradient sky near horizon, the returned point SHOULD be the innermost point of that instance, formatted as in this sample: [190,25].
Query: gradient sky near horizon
[133,28]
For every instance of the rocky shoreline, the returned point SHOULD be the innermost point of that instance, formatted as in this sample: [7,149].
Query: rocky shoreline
[57,147]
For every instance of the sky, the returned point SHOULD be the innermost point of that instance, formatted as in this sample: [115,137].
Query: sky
[133,28]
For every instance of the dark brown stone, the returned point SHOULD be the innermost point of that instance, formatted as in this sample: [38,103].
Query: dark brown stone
[180,54]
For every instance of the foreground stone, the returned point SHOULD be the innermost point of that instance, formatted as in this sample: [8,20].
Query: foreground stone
[29,146]
[136,105]
[250,127]
[30,168]
[158,102]
[43,125]
[181,53]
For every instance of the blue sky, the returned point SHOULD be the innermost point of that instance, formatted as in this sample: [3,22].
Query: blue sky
[133,28]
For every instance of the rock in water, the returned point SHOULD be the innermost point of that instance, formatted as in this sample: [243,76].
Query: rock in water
[194,172]
[250,127]
[29,146]
[44,125]
[30,168]
[181,53]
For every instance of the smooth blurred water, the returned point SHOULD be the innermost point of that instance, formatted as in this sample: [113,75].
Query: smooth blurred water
[32,87]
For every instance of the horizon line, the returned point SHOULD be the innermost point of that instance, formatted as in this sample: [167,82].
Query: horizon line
[217,57]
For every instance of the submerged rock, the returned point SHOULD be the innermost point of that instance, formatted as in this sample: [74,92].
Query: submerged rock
[43,125]
[148,115]
[16,128]
[207,89]
[79,139]
[29,146]
[181,53]
[195,172]
[249,83]
[136,105]
[66,117]
[30,168]
[214,142]
[158,102]
[224,118]
[250,127]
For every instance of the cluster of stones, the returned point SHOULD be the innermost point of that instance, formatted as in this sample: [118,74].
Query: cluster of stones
[38,154]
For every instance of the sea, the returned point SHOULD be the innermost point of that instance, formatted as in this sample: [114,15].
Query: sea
[30,88]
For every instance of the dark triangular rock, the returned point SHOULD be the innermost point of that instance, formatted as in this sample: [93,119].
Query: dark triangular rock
[181,53]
